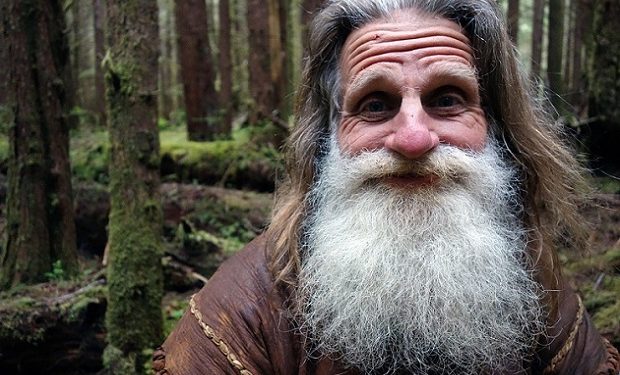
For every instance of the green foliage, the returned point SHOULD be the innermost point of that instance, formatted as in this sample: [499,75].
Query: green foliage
[6,119]
[177,121]
[29,312]
[20,320]
[173,311]
[57,273]
[117,362]
[85,118]
[608,185]
[90,152]
[4,151]
[248,156]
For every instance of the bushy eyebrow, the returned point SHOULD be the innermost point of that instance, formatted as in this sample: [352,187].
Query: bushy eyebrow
[452,72]
[383,79]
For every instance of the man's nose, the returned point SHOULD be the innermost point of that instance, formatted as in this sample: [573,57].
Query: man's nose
[413,134]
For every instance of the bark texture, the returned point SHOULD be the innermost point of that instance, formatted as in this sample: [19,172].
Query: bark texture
[605,85]
[40,218]
[261,89]
[513,20]
[225,58]
[555,48]
[134,317]
[538,9]
[197,70]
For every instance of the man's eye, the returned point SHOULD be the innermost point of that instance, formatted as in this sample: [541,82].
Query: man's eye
[446,101]
[374,106]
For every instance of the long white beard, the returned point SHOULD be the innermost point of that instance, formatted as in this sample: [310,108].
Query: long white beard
[423,280]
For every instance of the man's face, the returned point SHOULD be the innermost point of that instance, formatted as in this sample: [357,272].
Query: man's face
[413,249]
[408,84]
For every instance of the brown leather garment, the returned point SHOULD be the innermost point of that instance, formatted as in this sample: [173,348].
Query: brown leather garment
[239,326]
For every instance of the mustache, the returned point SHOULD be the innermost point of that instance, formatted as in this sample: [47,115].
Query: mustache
[446,162]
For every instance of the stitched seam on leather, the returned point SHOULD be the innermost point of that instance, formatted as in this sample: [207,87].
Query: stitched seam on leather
[219,343]
[569,342]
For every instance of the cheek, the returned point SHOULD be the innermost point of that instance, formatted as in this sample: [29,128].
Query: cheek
[354,136]
[469,132]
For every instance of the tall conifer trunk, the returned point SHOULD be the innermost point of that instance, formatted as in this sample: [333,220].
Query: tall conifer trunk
[513,20]
[538,9]
[261,87]
[197,70]
[225,61]
[555,48]
[40,217]
[604,79]
[134,319]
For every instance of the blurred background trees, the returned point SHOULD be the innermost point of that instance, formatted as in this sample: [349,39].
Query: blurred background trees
[225,63]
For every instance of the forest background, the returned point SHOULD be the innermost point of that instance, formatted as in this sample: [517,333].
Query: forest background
[140,144]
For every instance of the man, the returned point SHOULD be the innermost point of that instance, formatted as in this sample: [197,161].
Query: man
[426,194]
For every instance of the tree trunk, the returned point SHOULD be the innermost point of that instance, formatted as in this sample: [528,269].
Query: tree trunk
[135,286]
[537,37]
[293,50]
[197,70]
[177,81]
[240,56]
[225,93]
[513,20]
[261,88]
[86,97]
[164,103]
[554,56]
[284,95]
[604,80]
[583,16]
[99,20]
[569,48]
[40,217]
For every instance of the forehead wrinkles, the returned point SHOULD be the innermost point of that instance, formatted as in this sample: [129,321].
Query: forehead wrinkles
[387,42]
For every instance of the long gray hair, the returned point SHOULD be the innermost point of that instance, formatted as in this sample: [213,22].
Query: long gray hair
[551,180]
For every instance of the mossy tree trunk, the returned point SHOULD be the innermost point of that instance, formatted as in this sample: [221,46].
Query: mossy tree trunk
[134,319]
[40,217]
[197,70]
[240,56]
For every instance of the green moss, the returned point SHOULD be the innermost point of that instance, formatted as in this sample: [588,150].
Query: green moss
[247,154]
[117,363]
[75,310]
[173,312]
[607,185]
[601,301]
[607,319]
[135,284]
[20,320]
[90,153]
